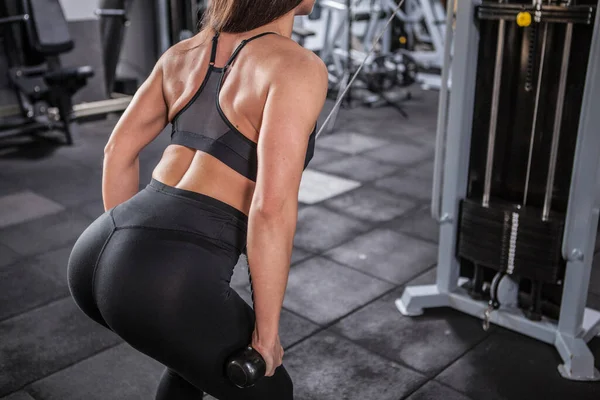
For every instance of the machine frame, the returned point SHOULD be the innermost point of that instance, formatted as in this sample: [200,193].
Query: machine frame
[577,324]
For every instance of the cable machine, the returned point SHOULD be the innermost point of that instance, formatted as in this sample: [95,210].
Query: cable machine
[516,173]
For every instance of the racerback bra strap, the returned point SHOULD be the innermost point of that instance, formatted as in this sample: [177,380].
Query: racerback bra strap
[213,53]
[241,46]
[215,40]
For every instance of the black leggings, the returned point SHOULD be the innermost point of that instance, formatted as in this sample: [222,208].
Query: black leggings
[156,270]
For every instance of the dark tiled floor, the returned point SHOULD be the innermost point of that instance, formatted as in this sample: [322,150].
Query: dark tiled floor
[418,223]
[7,255]
[46,340]
[370,205]
[387,255]
[354,253]
[358,168]
[348,371]
[131,374]
[427,344]
[19,396]
[432,390]
[319,229]
[528,365]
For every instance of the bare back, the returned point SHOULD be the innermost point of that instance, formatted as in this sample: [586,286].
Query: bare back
[242,99]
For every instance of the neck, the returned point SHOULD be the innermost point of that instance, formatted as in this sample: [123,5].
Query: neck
[283,26]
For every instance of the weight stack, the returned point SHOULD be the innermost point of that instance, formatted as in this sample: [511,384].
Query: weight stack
[531,75]
[512,239]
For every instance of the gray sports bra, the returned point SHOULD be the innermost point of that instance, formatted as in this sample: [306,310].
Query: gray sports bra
[203,126]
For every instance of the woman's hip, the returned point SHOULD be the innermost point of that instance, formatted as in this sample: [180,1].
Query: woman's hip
[157,245]
[163,207]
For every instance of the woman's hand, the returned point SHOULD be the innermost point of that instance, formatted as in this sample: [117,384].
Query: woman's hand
[271,351]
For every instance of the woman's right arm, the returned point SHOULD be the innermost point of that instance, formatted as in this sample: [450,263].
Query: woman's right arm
[294,102]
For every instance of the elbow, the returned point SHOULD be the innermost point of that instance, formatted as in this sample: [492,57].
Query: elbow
[110,156]
[268,211]
[119,154]
[275,209]
[110,148]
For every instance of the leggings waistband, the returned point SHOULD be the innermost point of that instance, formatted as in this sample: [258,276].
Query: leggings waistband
[200,198]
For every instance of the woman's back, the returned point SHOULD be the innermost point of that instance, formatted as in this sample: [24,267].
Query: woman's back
[156,266]
[241,98]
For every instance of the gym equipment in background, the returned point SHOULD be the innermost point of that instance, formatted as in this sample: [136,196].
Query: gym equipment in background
[184,19]
[416,38]
[300,32]
[517,198]
[425,38]
[177,20]
[113,24]
[343,49]
[43,86]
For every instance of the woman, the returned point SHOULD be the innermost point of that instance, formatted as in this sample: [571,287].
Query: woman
[243,100]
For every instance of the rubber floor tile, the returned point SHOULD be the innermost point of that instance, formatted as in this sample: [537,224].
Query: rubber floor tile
[117,373]
[23,286]
[358,168]
[18,396]
[411,186]
[428,343]
[324,156]
[73,192]
[418,223]
[401,154]
[55,262]
[510,366]
[371,205]
[387,255]
[319,229]
[350,142]
[93,210]
[327,367]
[435,391]
[44,234]
[316,186]
[7,255]
[25,206]
[322,290]
[46,340]
[423,170]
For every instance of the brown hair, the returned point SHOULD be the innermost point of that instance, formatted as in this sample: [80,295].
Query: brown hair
[235,16]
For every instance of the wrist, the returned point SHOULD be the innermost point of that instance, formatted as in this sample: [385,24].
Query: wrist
[265,335]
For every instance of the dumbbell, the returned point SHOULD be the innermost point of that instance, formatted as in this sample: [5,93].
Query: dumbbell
[245,368]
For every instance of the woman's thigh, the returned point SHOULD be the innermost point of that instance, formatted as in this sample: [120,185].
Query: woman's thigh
[169,297]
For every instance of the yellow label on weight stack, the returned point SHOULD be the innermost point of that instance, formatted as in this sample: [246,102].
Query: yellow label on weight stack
[523,19]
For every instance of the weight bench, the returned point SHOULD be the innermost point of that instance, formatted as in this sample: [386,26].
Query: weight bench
[42,78]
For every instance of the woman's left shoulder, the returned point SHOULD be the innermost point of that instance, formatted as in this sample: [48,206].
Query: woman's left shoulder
[292,57]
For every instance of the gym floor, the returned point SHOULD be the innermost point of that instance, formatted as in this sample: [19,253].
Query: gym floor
[364,233]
